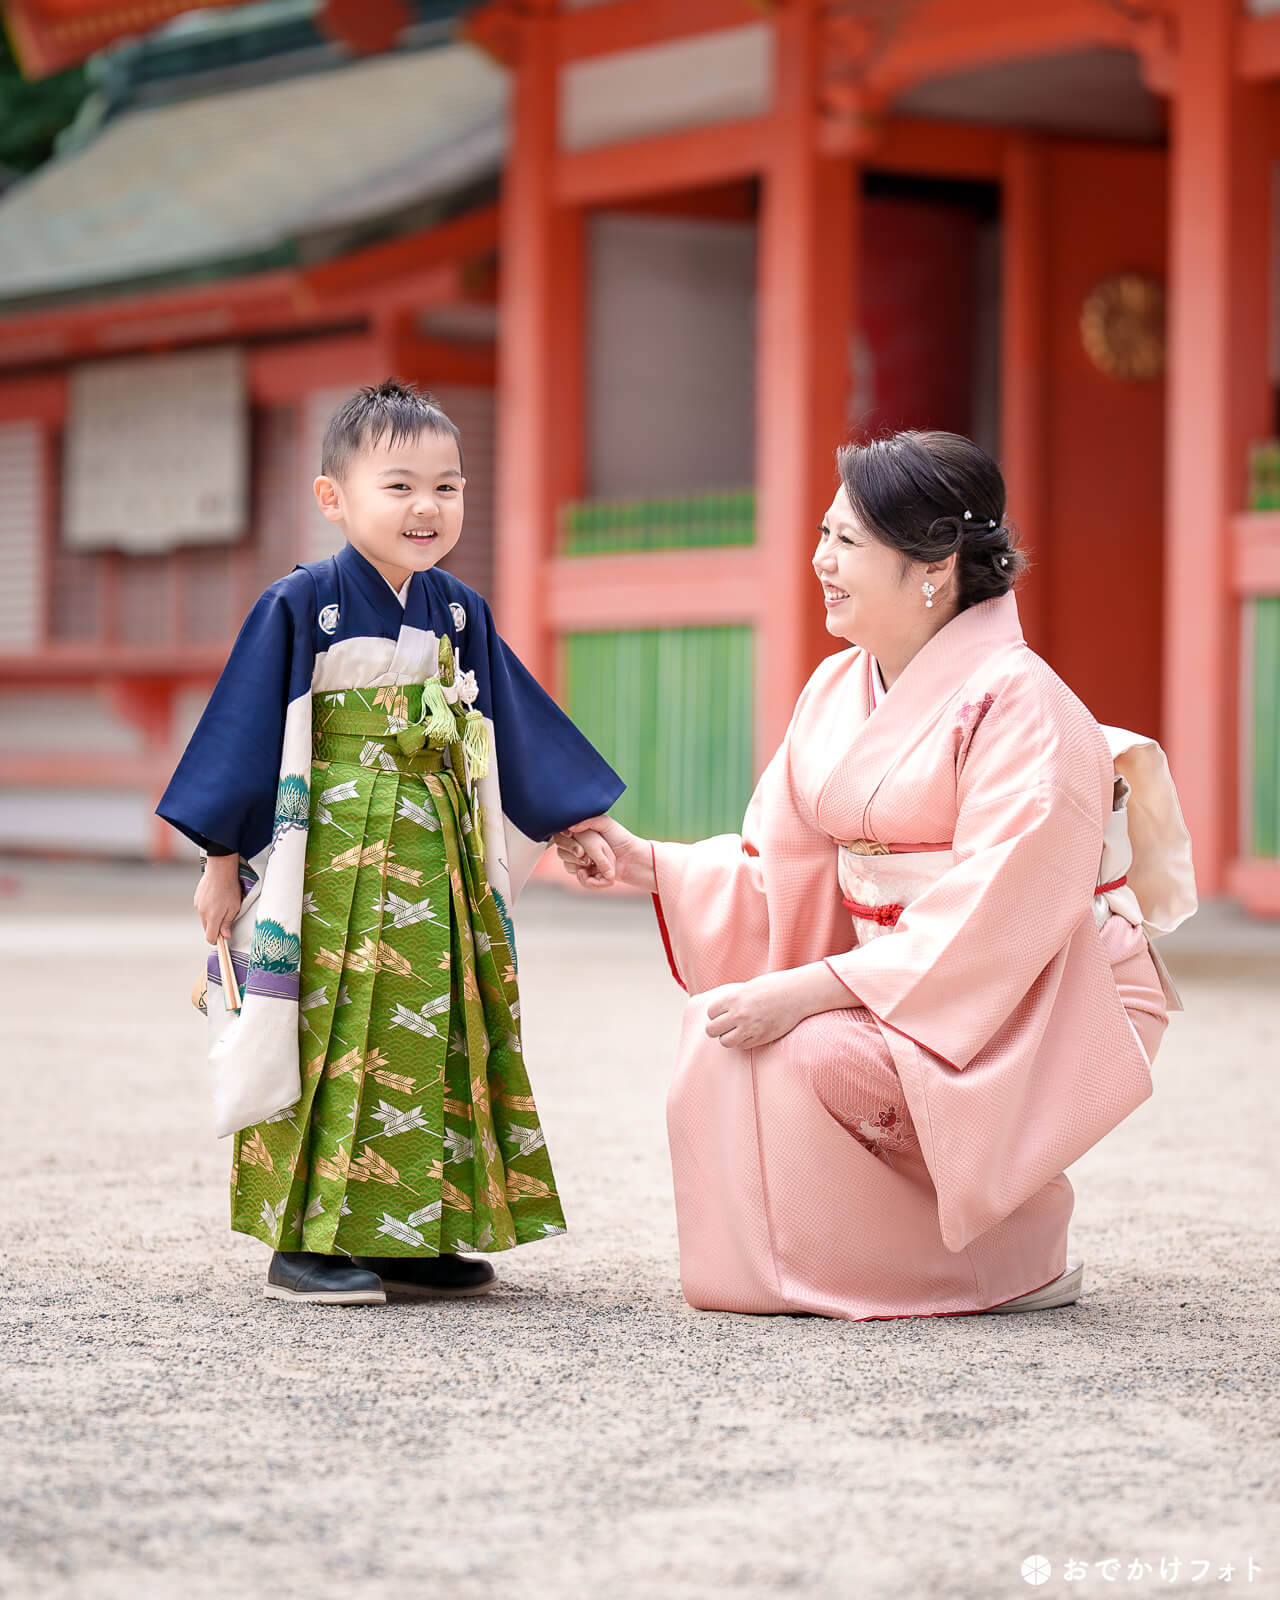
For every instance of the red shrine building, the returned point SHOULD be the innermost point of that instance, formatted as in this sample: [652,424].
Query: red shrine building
[658,261]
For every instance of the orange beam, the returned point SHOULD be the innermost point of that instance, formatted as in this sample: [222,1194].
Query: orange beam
[949,36]
[282,373]
[474,234]
[655,589]
[435,361]
[909,144]
[1024,366]
[1199,671]
[51,35]
[440,285]
[423,270]
[635,24]
[210,311]
[807,257]
[687,160]
[527,429]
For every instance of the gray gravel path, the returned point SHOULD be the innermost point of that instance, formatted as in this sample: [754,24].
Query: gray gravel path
[582,1432]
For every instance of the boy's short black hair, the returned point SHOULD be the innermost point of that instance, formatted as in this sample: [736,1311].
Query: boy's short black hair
[391,409]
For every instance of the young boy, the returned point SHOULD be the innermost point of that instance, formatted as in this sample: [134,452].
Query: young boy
[372,781]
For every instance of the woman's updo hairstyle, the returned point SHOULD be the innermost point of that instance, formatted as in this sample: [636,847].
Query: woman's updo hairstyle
[912,490]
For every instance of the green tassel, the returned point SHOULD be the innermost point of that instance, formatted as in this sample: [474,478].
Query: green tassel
[445,657]
[437,717]
[477,825]
[475,741]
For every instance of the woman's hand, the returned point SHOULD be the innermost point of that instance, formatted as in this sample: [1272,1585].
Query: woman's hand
[632,856]
[744,1016]
[218,896]
[584,855]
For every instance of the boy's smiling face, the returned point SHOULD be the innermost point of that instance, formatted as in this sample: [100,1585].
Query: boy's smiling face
[399,504]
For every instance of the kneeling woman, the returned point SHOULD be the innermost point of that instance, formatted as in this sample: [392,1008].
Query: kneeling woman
[920,982]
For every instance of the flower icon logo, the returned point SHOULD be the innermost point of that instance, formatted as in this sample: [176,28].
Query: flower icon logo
[1036,1569]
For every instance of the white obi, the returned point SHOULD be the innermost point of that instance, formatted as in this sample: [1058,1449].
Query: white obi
[878,886]
[1145,874]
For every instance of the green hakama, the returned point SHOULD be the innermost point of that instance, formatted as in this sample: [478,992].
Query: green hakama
[416,1132]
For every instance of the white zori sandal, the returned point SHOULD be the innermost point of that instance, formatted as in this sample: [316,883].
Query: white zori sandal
[1063,1291]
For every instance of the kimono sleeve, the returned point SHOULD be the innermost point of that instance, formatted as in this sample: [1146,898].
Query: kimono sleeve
[710,900]
[551,776]
[223,793]
[1033,794]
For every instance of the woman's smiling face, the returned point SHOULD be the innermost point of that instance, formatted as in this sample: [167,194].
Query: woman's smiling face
[864,586]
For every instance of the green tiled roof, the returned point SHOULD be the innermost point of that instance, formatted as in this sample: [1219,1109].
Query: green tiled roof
[229,177]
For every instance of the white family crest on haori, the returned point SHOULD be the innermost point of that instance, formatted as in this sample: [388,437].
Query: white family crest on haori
[459,615]
[328,619]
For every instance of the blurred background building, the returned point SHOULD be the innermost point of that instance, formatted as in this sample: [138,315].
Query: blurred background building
[657,260]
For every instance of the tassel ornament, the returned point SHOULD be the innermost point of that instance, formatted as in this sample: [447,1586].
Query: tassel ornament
[475,742]
[437,715]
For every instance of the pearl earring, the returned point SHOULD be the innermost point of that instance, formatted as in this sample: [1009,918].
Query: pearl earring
[929,592]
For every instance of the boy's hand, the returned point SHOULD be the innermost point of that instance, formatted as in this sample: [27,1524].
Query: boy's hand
[587,857]
[218,896]
[632,856]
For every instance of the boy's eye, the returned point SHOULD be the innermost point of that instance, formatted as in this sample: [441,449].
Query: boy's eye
[447,488]
[397,486]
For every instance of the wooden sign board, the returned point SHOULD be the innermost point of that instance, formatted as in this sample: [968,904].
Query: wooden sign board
[156,453]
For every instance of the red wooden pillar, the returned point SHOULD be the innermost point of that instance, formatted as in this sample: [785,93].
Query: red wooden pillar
[526,489]
[1217,175]
[806,281]
[1024,335]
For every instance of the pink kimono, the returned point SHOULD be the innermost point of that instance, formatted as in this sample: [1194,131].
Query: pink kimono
[941,852]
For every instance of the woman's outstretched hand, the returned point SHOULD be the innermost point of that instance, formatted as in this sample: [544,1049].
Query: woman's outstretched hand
[600,852]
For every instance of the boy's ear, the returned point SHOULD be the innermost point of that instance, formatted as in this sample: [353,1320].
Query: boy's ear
[328,498]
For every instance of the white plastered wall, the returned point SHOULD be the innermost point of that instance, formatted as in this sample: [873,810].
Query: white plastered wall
[687,83]
[671,364]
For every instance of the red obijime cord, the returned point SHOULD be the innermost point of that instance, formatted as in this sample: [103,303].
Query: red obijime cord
[887,916]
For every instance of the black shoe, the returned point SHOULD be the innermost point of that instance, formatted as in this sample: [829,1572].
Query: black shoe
[430,1277]
[324,1280]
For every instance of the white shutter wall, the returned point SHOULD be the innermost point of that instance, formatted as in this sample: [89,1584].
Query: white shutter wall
[21,535]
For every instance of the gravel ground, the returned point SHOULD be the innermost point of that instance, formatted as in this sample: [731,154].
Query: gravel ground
[582,1432]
